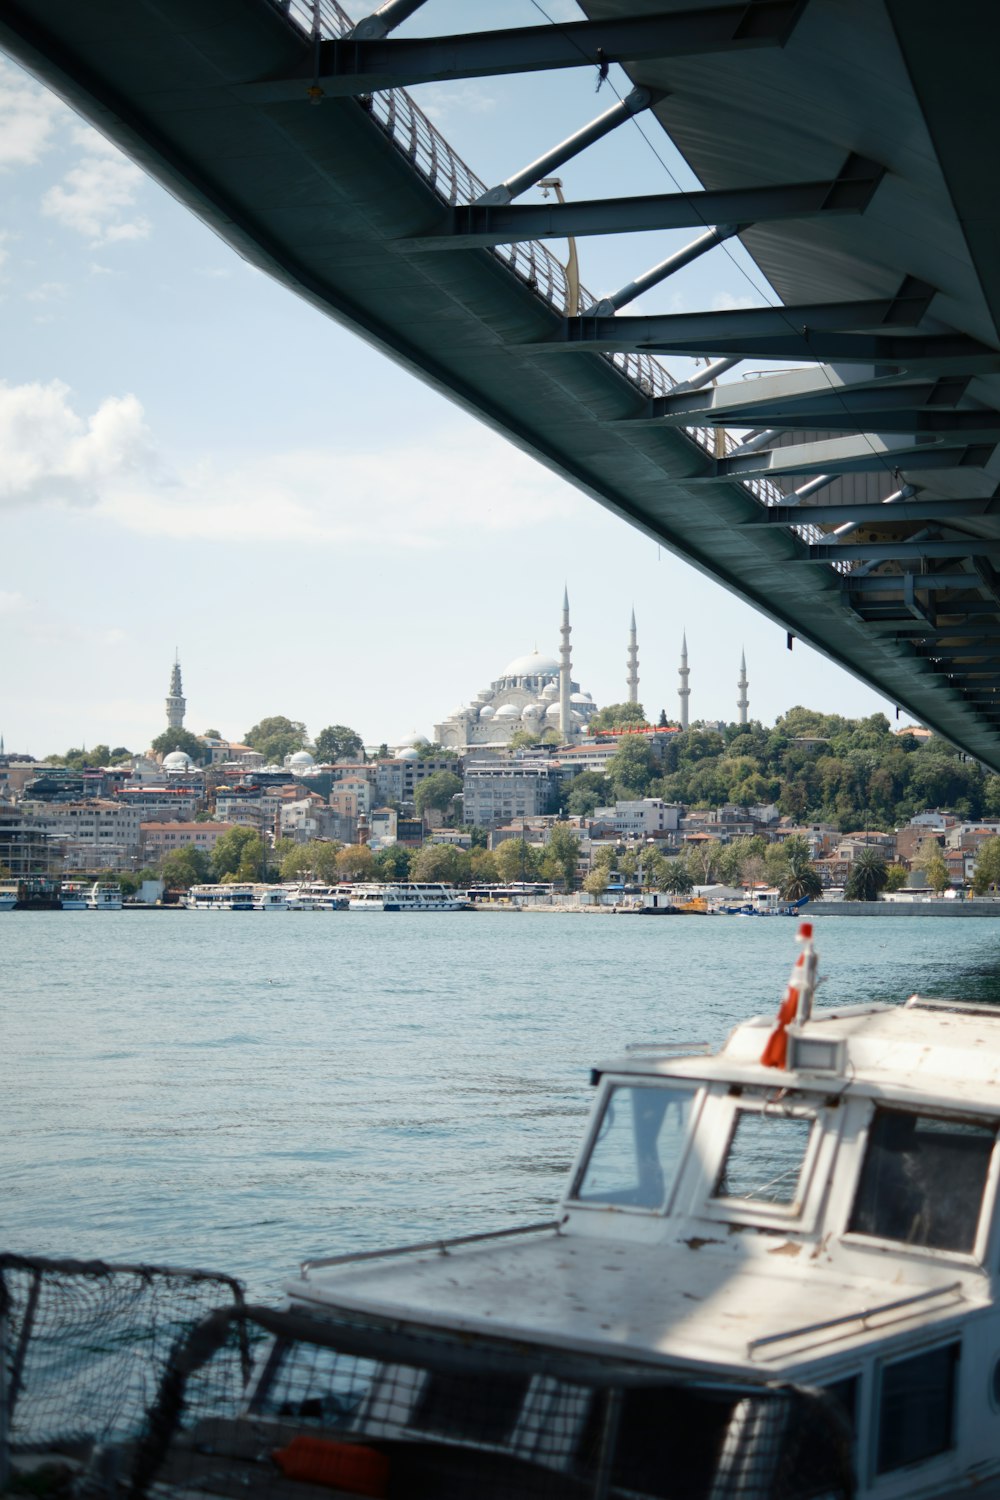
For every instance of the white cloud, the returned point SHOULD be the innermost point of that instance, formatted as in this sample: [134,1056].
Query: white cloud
[726,302]
[96,197]
[11,604]
[28,116]
[51,454]
[409,498]
[450,489]
[48,291]
[441,102]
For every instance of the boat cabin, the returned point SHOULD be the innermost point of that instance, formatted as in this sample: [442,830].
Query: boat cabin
[831,1224]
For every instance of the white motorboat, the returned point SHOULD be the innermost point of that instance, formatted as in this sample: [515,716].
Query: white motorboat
[73,896]
[270,898]
[409,895]
[771,1265]
[222,897]
[8,895]
[313,896]
[104,895]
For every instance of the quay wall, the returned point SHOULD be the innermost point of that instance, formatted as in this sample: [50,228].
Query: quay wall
[902,909]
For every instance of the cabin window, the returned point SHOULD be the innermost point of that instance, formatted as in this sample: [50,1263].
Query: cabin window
[917,1408]
[765,1158]
[923,1179]
[636,1154]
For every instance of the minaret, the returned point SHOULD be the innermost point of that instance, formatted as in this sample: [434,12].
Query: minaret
[565,722]
[743,702]
[175,700]
[684,692]
[633,664]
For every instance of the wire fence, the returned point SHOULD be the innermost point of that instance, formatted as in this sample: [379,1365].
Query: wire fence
[443,169]
[86,1345]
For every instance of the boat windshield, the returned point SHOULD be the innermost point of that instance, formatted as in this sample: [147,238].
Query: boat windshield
[923,1180]
[636,1153]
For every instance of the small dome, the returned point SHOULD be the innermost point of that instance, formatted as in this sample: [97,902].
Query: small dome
[533,711]
[463,711]
[552,712]
[550,690]
[413,738]
[487,712]
[410,753]
[300,761]
[583,698]
[508,711]
[177,760]
[532,666]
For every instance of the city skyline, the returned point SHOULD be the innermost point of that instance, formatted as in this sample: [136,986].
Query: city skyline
[197,458]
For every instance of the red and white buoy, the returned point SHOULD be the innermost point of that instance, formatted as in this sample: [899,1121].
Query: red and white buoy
[797,1004]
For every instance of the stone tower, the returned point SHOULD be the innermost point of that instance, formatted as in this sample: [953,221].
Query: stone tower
[743,702]
[175,699]
[565,667]
[684,692]
[633,664]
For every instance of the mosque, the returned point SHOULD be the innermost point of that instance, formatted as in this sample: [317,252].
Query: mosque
[534,693]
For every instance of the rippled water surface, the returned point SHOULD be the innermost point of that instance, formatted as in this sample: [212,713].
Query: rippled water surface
[242,1090]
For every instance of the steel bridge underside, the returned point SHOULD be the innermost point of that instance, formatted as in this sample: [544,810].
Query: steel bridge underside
[851,146]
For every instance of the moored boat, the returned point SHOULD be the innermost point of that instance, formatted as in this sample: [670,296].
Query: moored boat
[409,895]
[809,1215]
[221,897]
[73,896]
[104,895]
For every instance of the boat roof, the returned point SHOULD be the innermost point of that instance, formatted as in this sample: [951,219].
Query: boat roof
[936,1051]
[699,1303]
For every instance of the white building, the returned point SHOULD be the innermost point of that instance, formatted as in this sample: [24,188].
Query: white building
[639,819]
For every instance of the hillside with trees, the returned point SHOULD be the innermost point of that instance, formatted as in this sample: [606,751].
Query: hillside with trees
[849,773]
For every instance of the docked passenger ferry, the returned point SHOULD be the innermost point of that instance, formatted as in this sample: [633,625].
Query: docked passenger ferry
[409,895]
[773,1267]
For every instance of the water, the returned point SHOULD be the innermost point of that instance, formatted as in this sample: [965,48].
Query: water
[241,1091]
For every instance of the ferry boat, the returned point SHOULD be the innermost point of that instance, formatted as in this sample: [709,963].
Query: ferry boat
[773,1272]
[220,898]
[73,896]
[270,898]
[8,895]
[104,895]
[409,895]
[313,896]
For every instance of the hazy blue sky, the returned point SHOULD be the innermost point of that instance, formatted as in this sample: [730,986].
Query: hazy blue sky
[192,458]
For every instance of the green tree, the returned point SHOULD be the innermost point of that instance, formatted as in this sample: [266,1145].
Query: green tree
[561,854]
[867,877]
[276,737]
[618,716]
[238,853]
[798,878]
[337,742]
[297,863]
[392,863]
[586,792]
[183,868]
[676,878]
[483,867]
[523,739]
[935,869]
[987,872]
[516,859]
[356,862]
[441,862]
[631,769]
[439,791]
[596,883]
[895,877]
[181,739]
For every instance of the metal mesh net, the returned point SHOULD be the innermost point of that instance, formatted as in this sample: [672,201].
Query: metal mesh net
[86,1345]
[358,1409]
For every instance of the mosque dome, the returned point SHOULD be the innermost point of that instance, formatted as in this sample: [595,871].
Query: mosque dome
[487,711]
[550,690]
[532,665]
[552,712]
[583,698]
[300,761]
[411,739]
[508,711]
[410,753]
[178,760]
[532,711]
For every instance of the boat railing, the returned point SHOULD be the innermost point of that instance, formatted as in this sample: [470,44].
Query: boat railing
[901,1306]
[444,1246]
[437,162]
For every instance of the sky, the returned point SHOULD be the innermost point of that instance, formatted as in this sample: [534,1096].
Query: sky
[195,461]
